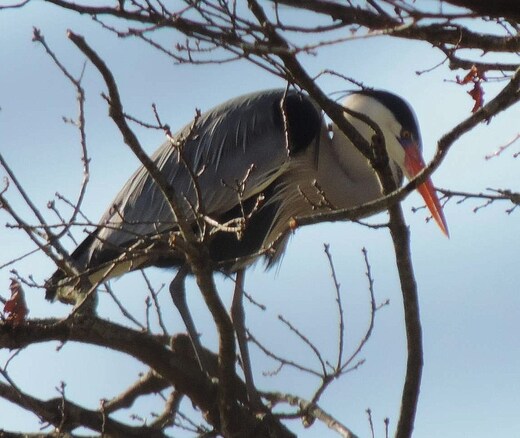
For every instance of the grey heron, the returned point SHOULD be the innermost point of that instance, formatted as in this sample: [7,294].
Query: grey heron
[263,158]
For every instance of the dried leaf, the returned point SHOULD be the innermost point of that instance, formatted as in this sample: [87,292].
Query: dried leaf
[15,307]
[477,93]
[470,77]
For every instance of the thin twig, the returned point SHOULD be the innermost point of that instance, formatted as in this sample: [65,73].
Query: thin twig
[154,294]
[282,361]
[503,148]
[306,341]
[80,124]
[341,325]
[122,308]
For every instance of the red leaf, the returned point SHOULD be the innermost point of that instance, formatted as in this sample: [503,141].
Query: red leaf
[472,75]
[15,307]
[477,93]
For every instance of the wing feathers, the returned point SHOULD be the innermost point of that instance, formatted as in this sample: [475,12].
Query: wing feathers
[244,136]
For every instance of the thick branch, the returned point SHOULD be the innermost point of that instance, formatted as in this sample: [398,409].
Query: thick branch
[92,330]
[66,416]
[496,8]
[178,368]
[435,33]
[401,239]
[150,383]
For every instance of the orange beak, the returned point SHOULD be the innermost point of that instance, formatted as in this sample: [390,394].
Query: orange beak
[414,163]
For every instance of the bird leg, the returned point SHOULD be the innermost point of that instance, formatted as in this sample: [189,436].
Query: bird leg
[239,320]
[178,293]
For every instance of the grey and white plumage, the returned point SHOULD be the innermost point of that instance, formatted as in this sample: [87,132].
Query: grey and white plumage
[290,159]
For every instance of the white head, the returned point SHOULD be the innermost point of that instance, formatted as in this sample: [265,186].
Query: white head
[400,129]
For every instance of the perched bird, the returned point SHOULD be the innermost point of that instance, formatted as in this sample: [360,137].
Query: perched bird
[249,165]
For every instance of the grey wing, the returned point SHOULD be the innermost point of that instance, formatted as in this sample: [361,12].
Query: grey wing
[242,140]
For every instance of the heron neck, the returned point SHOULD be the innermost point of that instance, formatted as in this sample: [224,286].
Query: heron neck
[344,174]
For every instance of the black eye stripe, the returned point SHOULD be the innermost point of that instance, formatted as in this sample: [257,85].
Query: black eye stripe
[399,107]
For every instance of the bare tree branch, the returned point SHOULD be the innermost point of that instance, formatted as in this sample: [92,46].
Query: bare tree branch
[264,34]
[66,416]
[314,411]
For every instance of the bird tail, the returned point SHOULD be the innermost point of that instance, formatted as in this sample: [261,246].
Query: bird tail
[64,287]
[94,266]
[61,287]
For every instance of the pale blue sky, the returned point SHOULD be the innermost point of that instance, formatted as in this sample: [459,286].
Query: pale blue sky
[468,285]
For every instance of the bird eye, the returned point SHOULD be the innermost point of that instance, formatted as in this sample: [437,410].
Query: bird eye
[405,134]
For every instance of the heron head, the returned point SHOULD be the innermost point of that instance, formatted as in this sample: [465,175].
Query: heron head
[400,129]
